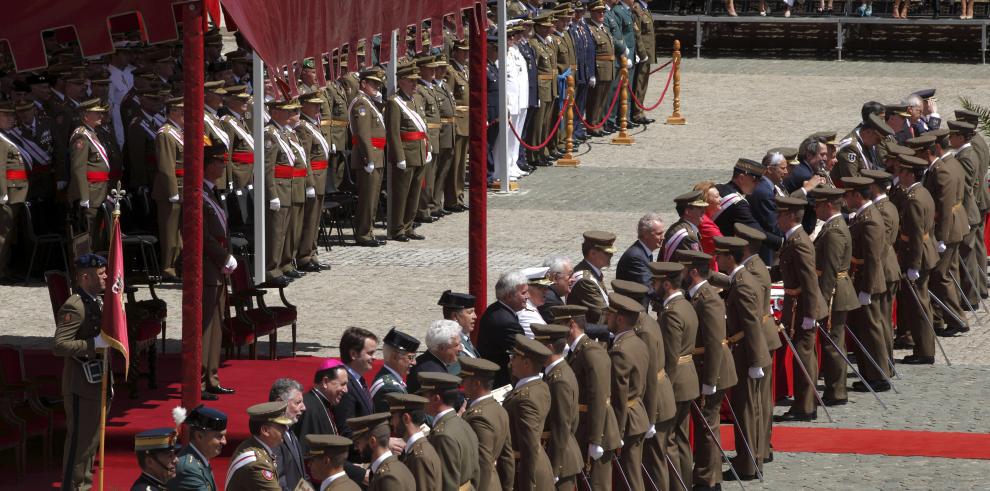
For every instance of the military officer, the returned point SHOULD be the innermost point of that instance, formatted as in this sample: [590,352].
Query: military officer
[622,26]
[744,327]
[833,253]
[646,52]
[419,456]
[215,133]
[858,151]
[589,288]
[891,270]
[976,202]
[371,435]
[235,103]
[459,307]
[566,60]
[367,153]
[457,80]
[334,123]
[156,457]
[733,208]
[428,97]
[317,148]
[452,438]
[803,303]
[866,229]
[490,423]
[13,185]
[167,186]
[301,191]
[78,340]
[917,255]
[326,456]
[399,355]
[409,154]
[599,84]
[683,234]
[528,405]
[307,78]
[444,158]
[982,151]
[561,422]
[139,137]
[90,166]
[546,73]
[252,466]
[207,437]
[280,160]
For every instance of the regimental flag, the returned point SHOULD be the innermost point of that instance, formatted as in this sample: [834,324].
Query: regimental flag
[114,328]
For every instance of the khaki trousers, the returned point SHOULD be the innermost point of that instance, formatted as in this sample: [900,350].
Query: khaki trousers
[169,237]
[868,326]
[454,184]
[369,187]
[804,395]
[214,300]
[82,440]
[833,365]
[944,288]
[707,457]
[404,190]
[445,167]
[311,230]
[276,224]
[912,316]
[678,445]
[748,401]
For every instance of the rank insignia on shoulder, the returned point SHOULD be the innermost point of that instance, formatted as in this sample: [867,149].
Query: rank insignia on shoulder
[361,111]
[851,156]
[267,474]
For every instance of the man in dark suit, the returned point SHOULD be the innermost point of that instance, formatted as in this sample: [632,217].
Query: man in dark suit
[733,208]
[499,324]
[443,343]
[329,387]
[357,351]
[761,201]
[805,176]
[635,261]
[289,455]
[559,269]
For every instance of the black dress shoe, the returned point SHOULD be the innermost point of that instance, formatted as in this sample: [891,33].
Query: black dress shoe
[311,268]
[414,236]
[279,282]
[631,124]
[527,167]
[426,219]
[834,402]
[918,360]
[903,342]
[596,134]
[438,214]
[456,209]
[400,238]
[769,459]
[369,243]
[292,274]
[878,386]
[207,396]
[729,476]
[792,416]
[947,332]
[701,487]
[219,390]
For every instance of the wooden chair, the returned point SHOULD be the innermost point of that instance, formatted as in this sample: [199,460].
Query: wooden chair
[12,437]
[246,295]
[47,242]
[145,320]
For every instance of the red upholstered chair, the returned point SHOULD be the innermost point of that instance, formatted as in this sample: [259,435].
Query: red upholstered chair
[58,289]
[47,388]
[248,322]
[145,320]
[12,437]
[243,290]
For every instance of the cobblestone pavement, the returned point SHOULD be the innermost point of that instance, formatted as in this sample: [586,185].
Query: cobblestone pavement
[734,108]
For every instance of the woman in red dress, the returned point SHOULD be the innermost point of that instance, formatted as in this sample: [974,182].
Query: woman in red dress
[708,230]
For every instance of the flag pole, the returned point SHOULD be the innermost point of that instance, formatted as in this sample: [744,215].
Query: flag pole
[103,403]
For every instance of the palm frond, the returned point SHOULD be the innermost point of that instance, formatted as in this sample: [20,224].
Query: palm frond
[983,111]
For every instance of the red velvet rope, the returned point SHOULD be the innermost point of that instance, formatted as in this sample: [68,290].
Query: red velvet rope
[553,132]
[663,94]
[601,123]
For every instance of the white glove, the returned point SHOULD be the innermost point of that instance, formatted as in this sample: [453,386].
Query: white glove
[864,298]
[174,199]
[591,83]
[628,63]
[652,431]
[627,52]
[755,372]
[84,204]
[595,452]
[807,323]
[622,443]
[333,148]
[429,157]
[401,165]
[370,167]
[275,204]
[238,192]
[707,389]
[61,185]
[3,200]
[250,187]
[99,343]
[912,274]
[637,59]
[941,247]
[230,266]
[311,192]
[230,184]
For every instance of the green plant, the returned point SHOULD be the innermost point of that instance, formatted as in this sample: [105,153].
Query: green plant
[983,111]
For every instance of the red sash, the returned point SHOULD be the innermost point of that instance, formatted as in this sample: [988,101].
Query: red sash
[284,171]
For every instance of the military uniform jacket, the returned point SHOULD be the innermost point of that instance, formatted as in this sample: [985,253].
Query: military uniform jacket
[392,475]
[891,224]
[457,80]
[145,482]
[342,483]
[457,446]
[13,173]
[626,22]
[241,139]
[317,148]
[715,367]
[658,398]
[301,176]
[368,129]
[833,252]
[852,156]
[350,84]
[756,267]
[604,52]
[192,473]
[733,209]
[679,325]
[629,383]
[216,238]
[589,290]
[646,46]
[743,314]
[427,98]
[406,118]
[252,468]
[385,382]
[566,53]
[77,323]
[546,67]
[139,146]
[593,371]
[445,104]
[424,464]
[802,296]
[915,244]
[584,51]
[983,163]
[280,159]
[681,236]
[946,182]
[866,228]
[972,197]
[336,117]
[90,167]
[562,421]
[497,466]
[528,407]
[614,24]
[169,151]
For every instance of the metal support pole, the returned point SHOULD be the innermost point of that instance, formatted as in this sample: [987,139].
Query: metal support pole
[260,200]
[697,38]
[838,38]
[983,43]
[502,167]
[391,88]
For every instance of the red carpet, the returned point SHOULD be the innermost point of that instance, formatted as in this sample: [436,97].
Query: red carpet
[252,380]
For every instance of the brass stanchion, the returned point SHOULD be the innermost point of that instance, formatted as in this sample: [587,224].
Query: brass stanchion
[568,159]
[623,138]
[676,117]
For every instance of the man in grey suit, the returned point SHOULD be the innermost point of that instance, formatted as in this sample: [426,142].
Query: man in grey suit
[634,263]
[289,455]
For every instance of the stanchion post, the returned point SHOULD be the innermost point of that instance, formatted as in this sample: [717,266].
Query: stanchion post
[623,138]
[676,117]
[568,159]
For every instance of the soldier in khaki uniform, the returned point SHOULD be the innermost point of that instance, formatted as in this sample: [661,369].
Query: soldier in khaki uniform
[451,436]
[679,326]
[490,423]
[280,160]
[746,335]
[646,50]
[891,270]
[444,157]
[13,185]
[418,455]
[317,148]
[917,254]
[428,97]
[252,465]
[713,362]
[241,139]
[982,161]
[866,229]
[599,97]
[566,57]
[589,290]
[628,384]
[803,303]
[857,151]
[302,190]
[833,253]
[457,80]
[371,435]
[408,153]
[683,234]
[78,340]
[367,154]
[89,167]
[167,186]
[546,73]
[528,405]
[326,455]
[561,424]
[960,139]
[213,93]
[334,123]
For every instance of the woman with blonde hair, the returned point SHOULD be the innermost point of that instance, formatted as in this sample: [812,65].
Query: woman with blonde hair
[708,230]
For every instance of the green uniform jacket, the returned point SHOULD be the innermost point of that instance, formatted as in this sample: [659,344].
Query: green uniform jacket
[971,197]
[258,475]
[833,251]
[310,137]
[301,165]
[391,475]
[629,383]
[457,446]
[168,153]
[428,99]
[681,236]
[16,190]
[76,324]
[679,325]
[659,395]
[423,462]
[562,447]
[715,367]
[490,423]
[241,142]
[743,314]
[546,68]
[277,152]
[604,52]
[916,243]
[646,41]
[385,382]
[593,370]
[397,122]
[85,158]
[367,125]
[191,473]
[891,224]
[528,407]
[589,290]
[946,182]
[867,259]
[445,104]
[756,267]
[457,79]
[797,270]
